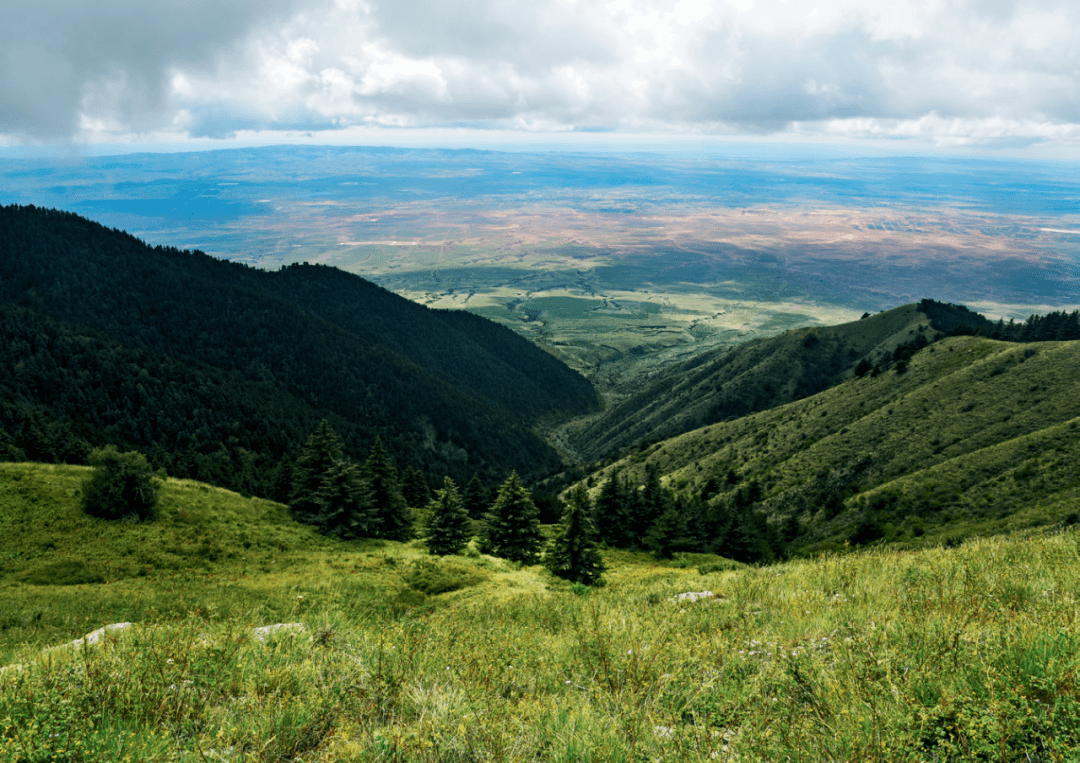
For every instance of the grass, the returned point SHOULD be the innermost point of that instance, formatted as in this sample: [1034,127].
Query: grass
[977,437]
[967,653]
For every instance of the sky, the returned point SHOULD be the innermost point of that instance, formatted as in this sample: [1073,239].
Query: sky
[993,76]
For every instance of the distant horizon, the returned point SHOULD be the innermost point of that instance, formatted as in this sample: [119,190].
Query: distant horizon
[779,147]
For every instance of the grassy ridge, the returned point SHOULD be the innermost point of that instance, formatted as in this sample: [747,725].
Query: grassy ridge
[941,654]
[726,384]
[977,436]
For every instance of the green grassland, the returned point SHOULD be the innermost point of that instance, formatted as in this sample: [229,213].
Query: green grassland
[976,437]
[968,653]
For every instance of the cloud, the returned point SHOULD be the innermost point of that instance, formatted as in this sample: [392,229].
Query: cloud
[972,69]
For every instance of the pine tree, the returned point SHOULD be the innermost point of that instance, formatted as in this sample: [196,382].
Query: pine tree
[612,519]
[322,449]
[448,526]
[573,553]
[415,488]
[380,478]
[476,498]
[671,532]
[511,527]
[653,502]
[344,507]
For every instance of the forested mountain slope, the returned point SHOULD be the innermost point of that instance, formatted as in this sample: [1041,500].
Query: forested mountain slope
[218,371]
[725,384]
[970,436]
[761,374]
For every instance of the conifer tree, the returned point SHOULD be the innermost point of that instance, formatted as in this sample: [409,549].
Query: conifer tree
[381,480]
[671,532]
[322,449]
[573,553]
[344,507]
[511,527]
[652,502]
[476,498]
[612,519]
[448,527]
[415,488]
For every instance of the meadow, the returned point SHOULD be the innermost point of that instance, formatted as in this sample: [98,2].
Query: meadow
[966,653]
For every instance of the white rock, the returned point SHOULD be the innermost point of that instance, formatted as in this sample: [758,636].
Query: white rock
[96,636]
[266,631]
[692,596]
[90,638]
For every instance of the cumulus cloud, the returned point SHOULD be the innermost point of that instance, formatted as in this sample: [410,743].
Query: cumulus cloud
[951,70]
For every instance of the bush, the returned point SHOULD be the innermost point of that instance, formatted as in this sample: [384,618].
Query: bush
[122,486]
[432,578]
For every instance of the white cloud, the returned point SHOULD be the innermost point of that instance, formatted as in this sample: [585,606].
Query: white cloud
[952,71]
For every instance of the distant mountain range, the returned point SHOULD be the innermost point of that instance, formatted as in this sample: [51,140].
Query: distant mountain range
[218,371]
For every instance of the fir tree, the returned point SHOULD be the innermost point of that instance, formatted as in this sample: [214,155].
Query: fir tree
[652,501]
[415,488]
[344,507]
[476,498]
[612,519]
[511,527]
[380,478]
[573,553]
[322,449]
[671,532]
[447,529]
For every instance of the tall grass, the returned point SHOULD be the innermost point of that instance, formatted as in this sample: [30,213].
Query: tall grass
[961,654]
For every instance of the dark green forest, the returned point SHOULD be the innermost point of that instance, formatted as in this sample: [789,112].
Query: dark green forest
[219,372]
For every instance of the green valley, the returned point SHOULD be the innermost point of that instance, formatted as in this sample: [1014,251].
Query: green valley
[841,543]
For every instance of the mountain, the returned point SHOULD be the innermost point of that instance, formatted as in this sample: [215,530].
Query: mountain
[761,374]
[725,384]
[969,436]
[218,371]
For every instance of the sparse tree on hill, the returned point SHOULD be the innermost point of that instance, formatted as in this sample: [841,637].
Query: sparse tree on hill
[573,553]
[511,527]
[380,476]
[320,452]
[121,486]
[447,529]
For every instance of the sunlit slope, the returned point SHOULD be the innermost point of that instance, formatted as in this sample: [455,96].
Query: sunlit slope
[977,436]
[761,374]
[46,539]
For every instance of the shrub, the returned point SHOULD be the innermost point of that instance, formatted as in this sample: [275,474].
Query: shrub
[432,578]
[122,486]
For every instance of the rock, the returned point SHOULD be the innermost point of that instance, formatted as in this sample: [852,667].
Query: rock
[692,596]
[90,638]
[266,631]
